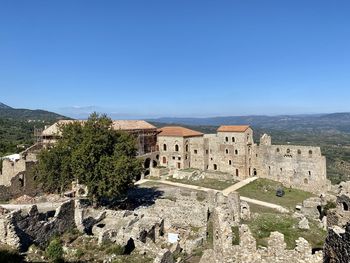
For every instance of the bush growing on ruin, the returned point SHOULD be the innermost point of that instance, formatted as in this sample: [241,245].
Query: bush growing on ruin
[54,251]
[99,157]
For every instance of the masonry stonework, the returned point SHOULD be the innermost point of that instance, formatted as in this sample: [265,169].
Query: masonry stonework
[233,151]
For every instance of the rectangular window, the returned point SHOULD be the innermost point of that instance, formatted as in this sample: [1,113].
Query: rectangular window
[195,151]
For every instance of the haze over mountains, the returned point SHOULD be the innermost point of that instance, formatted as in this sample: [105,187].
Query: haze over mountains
[314,122]
[331,123]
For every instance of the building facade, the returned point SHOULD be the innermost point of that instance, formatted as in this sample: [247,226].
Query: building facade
[232,150]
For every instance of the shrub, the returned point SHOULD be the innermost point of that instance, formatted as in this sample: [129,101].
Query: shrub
[328,206]
[54,251]
[115,249]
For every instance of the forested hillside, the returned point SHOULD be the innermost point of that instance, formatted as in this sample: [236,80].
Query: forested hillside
[17,127]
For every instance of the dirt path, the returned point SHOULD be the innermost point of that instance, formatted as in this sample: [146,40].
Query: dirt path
[194,187]
[238,185]
[47,206]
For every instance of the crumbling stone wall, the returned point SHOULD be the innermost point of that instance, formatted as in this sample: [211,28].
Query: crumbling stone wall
[302,167]
[247,251]
[21,184]
[21,230]
[234,153]
[337,245]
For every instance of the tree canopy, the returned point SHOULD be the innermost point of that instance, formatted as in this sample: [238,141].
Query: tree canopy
[91,152]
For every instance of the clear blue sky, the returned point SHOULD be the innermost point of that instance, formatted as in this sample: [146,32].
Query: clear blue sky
[176,57]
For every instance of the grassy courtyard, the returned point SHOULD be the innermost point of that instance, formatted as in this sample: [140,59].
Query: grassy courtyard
[265,223]
[265,190]
[206,182]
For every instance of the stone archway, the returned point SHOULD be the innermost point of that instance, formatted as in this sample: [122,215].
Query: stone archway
[147,163]
[154,163]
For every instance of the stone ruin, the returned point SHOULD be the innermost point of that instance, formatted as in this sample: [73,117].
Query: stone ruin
[20,229]
[340,215]
[224,251]
[147,229]
[337,245]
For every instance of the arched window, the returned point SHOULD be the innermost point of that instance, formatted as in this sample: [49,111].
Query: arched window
[215,166]
[233,139]
[278,150]
[299,151]
[164,147]
[306,181]
[164,159]
[345,206]
[310,152]
[226,151]
[176,148]
[254,172]
[288,150]
[229,162]
[236,151]
[226,139]
[186,147]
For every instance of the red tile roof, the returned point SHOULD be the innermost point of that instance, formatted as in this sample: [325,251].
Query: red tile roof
[233,128]
[177,131]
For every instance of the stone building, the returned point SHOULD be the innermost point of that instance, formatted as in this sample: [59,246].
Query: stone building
[232,150]
[14,176]
[144,133]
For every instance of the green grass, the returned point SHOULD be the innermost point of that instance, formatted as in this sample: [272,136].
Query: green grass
[265,190]
[254,208]
[235,235]
[134,258]
[262,225]
[207,183]
[189,170]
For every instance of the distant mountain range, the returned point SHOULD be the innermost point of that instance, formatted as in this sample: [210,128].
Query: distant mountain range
[7,112]
[313,122]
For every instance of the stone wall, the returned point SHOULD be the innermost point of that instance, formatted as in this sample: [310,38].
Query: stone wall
[235,153]
[10,169]
[169,156]
[337,245]
[246,251]
[21,184]
[301,167]
[21,230]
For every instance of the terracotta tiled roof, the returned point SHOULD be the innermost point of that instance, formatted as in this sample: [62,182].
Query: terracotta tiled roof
[127,125]
[124,125]
[233,128]
[177,131]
